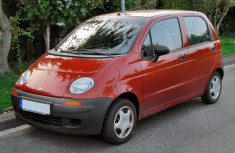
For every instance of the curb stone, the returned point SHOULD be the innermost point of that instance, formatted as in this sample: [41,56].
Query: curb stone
[229,55]
[8,120]
[229,59]
[9,109]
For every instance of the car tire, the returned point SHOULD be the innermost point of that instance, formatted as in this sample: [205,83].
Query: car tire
[120,122]
[213,89]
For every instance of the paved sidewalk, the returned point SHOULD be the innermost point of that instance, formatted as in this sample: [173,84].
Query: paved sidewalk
[229,59]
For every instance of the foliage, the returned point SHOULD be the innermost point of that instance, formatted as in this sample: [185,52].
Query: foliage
[141,4]
[227,28]
[214,9]
[97,7]
[18,34]
[9,7]
[41,13]
[26,63]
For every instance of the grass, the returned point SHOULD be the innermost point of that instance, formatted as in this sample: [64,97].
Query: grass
[7,82]
[228,45]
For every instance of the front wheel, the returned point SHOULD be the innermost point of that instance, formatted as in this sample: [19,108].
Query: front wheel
[120,121]
[213,89]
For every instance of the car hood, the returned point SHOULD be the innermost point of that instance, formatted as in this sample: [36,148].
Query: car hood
[52,75]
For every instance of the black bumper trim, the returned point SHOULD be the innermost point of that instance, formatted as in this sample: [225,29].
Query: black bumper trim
[83,120]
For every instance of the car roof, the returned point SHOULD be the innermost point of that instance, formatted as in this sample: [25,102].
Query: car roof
[150,13]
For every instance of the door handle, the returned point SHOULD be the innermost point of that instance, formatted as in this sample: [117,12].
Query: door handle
[182,57]
[212,48]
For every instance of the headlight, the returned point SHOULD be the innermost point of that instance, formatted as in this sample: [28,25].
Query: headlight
[81,85]
[24,77]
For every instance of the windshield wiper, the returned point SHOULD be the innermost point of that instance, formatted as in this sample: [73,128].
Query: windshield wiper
[65,51]
[84,51]
[88,51]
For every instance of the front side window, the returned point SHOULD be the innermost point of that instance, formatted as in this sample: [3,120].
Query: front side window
[167,32]
[197,30]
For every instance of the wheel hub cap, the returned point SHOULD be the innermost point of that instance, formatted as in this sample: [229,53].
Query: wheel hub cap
[123,122]
[215,87]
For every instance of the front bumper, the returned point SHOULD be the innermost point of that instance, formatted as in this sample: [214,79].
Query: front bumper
[83,120]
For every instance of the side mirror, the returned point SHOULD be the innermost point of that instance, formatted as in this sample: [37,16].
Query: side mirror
[159,50]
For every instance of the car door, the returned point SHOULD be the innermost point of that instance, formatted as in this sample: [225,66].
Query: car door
[164,80]
[202,55]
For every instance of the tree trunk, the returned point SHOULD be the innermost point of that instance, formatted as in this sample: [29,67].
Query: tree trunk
[46,36]
[5,40]
[222,18]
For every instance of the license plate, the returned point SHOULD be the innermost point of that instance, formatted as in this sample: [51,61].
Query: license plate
[36,107]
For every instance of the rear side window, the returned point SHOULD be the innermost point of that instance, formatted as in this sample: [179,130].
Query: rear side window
[197,30]
[167,32]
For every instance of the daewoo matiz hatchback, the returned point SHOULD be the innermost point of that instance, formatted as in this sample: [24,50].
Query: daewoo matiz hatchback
[117,68]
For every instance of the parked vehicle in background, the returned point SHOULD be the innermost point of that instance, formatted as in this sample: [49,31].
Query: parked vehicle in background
[117,68]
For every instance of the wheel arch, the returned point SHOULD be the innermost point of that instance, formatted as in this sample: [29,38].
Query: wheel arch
[220,71]
[133,98]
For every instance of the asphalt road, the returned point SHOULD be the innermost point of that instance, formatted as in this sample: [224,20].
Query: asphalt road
[191,127]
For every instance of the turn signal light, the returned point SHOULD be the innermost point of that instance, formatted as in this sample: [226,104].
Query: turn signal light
[73,103]
[14,92]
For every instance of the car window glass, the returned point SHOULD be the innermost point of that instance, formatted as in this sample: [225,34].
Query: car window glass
[104,34]
[197,30]
[147,48]
[167,32]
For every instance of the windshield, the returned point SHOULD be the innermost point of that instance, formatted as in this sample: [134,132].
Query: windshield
[103,35]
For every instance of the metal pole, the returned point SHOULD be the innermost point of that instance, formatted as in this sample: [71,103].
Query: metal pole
[123,5]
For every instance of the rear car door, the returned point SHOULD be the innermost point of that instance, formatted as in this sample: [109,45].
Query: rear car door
[165,79]
[202,56]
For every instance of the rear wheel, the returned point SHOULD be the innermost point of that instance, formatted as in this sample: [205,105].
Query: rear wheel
[213,89]
[120,122]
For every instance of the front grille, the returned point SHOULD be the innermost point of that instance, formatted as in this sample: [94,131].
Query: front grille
[40,118]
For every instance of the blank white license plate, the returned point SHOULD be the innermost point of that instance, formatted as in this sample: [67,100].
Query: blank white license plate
[33,106]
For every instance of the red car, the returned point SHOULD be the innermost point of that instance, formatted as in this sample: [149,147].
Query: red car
[117,68]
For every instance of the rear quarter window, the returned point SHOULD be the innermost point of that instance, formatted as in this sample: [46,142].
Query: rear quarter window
[197,30]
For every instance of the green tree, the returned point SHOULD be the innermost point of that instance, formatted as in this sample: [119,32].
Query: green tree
[216,10]
[42,14]
[221,11]
[227,27]
[18,35]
